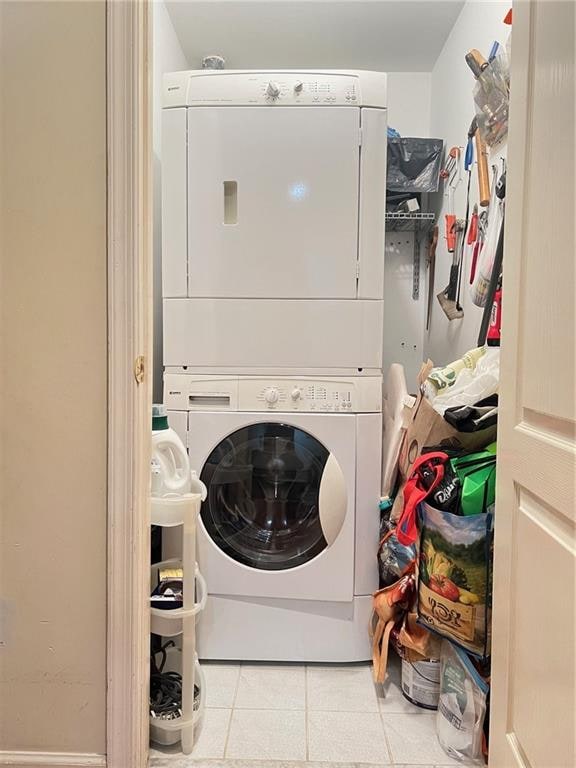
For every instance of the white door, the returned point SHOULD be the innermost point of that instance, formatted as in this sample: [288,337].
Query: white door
[278,520]
[273,202]
[534,644]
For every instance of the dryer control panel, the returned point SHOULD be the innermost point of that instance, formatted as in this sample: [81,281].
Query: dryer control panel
[275,88]
[282,394]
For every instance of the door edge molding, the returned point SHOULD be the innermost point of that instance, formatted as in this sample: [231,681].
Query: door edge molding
[128,102]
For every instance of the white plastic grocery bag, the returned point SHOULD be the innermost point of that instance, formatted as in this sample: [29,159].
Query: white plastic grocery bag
[462,705]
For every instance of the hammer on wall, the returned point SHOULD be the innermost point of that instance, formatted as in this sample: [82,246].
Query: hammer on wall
[482,160]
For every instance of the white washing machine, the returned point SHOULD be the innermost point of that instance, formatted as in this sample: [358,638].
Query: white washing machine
[288,534]
[273,204]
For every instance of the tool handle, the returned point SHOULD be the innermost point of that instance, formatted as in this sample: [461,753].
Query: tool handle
[473,228]
[469,156]
[483,178]
[453,283]
[476,62]
[492,287]
[450,232]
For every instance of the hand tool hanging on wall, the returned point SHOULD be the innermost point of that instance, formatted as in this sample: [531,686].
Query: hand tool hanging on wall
[476,62]
[451,173]
[464,227]
[481,160]
[448,298]
[496,276]
[493,338]
[431,264]
[489,223]
[472,241]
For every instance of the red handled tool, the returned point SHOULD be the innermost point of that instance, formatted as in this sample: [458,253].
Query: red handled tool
[452,175]
[493,338]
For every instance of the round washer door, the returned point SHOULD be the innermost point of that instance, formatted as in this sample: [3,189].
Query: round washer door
[276,496]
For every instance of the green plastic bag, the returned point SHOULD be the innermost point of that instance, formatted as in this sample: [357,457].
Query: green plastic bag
[477,475]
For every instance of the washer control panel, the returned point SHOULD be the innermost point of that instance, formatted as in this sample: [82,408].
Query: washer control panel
[362,394]
[297,395]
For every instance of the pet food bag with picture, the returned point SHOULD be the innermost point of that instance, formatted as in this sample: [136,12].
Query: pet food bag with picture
[455,577]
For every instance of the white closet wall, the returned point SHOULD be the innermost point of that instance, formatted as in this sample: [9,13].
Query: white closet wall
[168,57]
[409,102]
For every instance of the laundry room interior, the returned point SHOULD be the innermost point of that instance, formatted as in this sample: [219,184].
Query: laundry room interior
[329,181]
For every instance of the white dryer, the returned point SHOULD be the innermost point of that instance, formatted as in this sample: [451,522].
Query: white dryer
[288,534]
[273,199]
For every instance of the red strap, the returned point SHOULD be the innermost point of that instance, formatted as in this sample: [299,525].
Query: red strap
[415,492]
[475,252]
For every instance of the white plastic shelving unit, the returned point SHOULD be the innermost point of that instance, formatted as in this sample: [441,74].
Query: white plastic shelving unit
[169,512]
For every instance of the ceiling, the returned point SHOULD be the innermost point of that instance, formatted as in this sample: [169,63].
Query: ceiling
[388,35]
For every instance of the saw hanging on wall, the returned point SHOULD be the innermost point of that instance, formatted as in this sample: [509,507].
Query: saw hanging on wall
[456,229]
[448,298]
[452,175]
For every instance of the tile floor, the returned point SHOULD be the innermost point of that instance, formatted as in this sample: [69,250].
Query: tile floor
[293,716]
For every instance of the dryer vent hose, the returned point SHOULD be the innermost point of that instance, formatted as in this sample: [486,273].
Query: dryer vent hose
[213,62]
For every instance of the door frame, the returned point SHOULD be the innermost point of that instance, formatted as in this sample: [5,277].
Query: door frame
[129,228]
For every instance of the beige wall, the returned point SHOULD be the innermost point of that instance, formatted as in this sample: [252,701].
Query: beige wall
[53,377]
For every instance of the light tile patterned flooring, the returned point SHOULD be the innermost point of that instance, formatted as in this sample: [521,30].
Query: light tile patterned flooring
[294,716]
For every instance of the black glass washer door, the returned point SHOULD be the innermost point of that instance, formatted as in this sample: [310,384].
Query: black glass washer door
[262,507]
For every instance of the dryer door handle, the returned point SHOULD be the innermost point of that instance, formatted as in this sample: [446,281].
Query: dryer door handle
[332,500]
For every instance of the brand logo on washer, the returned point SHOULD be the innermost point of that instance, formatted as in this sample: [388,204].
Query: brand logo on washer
[174,392]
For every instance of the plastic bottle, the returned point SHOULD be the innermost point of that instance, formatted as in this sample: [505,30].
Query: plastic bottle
[169,467]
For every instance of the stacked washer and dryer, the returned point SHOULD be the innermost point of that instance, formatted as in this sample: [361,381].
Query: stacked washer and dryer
[273,187]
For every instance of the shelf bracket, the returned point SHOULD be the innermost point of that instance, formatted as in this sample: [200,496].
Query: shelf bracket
[416,267]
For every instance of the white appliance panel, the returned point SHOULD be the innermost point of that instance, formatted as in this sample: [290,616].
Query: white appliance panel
[330,575]
[267,334]
[174,203]
[274,88]
[273,202]
[178,420]
[262,629]
[372,226]
[185,392]
[278,88]
[368,469]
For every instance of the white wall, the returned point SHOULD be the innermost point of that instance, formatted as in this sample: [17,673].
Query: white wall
[452,110]
[409,102]
[168,57]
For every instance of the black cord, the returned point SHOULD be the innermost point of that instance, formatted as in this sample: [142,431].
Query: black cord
[165,687]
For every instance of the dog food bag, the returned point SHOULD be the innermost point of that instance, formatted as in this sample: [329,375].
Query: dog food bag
[455,577]
[461,706]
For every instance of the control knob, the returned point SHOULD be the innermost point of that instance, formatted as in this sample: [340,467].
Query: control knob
[271,395]
[296,394]
[273,90]
[298,86]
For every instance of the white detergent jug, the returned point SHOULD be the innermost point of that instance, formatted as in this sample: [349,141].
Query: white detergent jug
[170,467]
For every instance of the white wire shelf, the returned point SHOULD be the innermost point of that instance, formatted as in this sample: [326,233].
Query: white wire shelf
[398,222]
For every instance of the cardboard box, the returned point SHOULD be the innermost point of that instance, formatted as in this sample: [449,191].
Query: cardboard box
[424,428]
